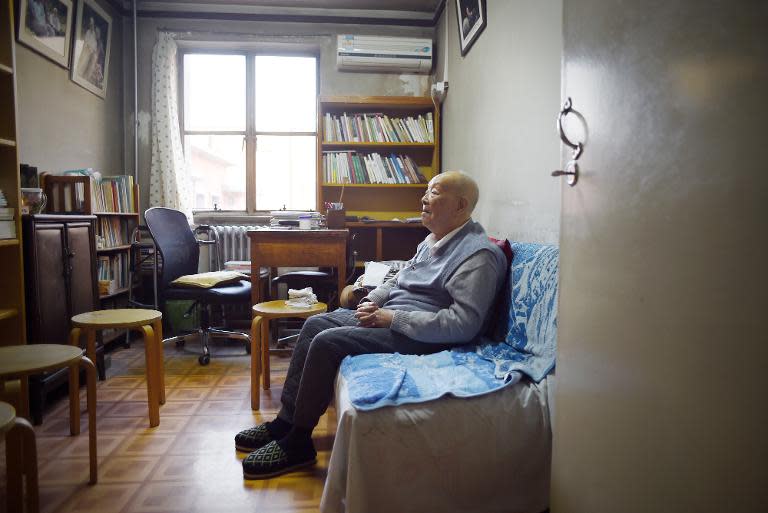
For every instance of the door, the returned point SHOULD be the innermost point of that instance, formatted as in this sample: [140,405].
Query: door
[82,267]
[662,349]
[49,319]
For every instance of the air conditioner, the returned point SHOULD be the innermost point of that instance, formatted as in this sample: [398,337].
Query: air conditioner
[379,53]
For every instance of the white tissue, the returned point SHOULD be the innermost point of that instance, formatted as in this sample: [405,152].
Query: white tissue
[301,298]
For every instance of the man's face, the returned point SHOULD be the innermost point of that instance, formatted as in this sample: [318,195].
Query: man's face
[439,207]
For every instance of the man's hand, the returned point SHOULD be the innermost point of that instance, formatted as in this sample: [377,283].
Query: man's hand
[371,316]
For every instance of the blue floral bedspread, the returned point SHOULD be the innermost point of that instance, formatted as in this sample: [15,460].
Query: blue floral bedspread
[529,347]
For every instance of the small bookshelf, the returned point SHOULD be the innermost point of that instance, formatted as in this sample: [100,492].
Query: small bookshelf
[375,154]
[12,303]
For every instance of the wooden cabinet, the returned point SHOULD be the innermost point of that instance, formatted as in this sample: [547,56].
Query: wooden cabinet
[60,262]
[12,324]
[366,125]
[114,202]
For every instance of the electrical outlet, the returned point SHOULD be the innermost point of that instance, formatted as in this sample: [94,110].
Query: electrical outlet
[440,87]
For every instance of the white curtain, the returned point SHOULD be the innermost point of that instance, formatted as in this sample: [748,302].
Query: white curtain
[167,176]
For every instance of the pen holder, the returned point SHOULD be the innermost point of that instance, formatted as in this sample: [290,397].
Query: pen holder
[335,219]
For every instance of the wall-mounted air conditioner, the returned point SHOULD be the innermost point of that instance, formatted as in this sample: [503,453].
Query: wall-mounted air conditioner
[380,53]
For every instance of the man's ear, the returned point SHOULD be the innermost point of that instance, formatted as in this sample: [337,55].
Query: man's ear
[463,203]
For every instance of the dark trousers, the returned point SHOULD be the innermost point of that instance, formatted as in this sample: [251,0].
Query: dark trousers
[323,343]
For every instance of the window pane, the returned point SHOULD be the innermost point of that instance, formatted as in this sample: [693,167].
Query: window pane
[214,92]
[285,172]
[216,167]
[286,94]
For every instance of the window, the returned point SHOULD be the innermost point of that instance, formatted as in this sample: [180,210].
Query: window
[250,130]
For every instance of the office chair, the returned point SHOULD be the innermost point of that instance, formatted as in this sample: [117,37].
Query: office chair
[179,251]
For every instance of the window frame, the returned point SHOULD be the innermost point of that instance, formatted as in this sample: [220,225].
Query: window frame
[250,134]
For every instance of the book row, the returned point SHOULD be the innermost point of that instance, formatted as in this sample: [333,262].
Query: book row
[114,268]
[114,194]
[360,168]
[114,232]
[378,128]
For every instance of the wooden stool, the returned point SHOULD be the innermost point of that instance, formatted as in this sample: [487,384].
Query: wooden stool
[151,325]
[19,362]
[20,460]
[263,313]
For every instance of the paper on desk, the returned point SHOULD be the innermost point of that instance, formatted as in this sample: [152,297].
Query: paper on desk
[374,274]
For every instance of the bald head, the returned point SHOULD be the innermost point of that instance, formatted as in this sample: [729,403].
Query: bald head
[448,202]
[463,186]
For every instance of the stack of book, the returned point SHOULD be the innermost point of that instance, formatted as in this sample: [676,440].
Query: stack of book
[379,128]
[354,167]
[284,218]
[7,224]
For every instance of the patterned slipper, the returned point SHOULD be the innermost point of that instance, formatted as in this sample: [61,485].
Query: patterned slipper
[254,438]
[271,460]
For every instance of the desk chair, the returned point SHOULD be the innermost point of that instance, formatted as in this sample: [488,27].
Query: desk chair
[180,254]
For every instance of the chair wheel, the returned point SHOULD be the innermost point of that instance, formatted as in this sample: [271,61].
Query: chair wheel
[247,347]
[204,359]
[180,343]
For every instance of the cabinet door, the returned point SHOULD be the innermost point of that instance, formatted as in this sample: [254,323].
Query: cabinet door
[51,323]
[80,247]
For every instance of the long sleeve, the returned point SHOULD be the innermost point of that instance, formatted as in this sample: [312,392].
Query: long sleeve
[473,288]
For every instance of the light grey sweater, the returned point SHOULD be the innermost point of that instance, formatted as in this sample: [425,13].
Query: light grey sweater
[444,296]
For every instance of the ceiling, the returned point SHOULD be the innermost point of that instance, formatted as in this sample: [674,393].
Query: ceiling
[417,12]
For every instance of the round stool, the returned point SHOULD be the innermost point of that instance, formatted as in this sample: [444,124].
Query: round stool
[150,323]
[20,362]
[20,460]
[263,313]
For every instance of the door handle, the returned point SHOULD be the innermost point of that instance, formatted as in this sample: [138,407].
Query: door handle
[572,167]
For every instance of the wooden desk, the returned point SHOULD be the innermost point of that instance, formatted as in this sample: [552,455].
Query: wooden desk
[297,248]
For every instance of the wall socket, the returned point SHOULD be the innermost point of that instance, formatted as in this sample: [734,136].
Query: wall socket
[440,88]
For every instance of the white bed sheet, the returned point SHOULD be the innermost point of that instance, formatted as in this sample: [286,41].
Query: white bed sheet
[483,454]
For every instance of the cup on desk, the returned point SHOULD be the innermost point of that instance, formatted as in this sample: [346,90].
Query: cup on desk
[335,219]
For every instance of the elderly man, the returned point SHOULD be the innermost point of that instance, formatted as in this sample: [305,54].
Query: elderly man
[439,300]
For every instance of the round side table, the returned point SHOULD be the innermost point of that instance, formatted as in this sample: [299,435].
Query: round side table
[263,313]
[19,362]
[149,322]
[20,460]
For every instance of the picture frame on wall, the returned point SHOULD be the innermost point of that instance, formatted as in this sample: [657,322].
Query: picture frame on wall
[472,18]
[45,26]
[93,37]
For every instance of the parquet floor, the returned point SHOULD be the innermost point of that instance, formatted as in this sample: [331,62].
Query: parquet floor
[188,463]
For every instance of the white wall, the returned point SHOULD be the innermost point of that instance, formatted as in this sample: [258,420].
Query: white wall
[499,114]
[63,126]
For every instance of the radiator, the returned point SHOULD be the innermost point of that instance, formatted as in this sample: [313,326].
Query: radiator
[232,244]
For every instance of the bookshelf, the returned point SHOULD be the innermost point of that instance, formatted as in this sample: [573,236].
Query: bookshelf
[12,313]
[379,151]
[114,202]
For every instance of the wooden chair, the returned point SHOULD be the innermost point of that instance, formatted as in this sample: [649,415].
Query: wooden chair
[151,325]
[20,459]
[263,313]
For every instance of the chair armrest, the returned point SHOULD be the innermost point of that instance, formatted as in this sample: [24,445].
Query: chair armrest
[350,297]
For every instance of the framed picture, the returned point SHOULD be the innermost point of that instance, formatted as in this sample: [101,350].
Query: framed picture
[93,34]
[472,18]
[45,26]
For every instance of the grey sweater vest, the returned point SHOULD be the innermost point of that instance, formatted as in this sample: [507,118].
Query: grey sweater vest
[421,285]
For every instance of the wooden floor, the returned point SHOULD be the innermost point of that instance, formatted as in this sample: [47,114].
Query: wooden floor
[186,464]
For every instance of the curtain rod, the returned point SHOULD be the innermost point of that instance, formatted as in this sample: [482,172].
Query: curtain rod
[239,34]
